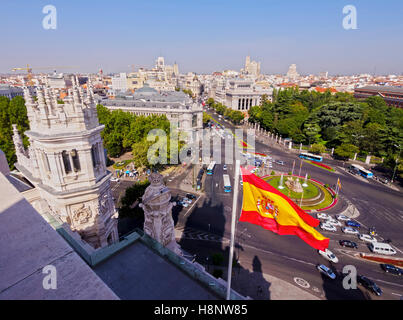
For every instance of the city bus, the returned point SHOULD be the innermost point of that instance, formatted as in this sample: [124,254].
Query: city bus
[361,171]
[227,183]
[210,168]
[310,156]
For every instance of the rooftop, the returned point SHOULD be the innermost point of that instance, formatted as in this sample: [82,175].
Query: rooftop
[28,244]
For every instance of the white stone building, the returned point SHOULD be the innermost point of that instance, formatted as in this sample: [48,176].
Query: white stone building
[65,162]
[178,107]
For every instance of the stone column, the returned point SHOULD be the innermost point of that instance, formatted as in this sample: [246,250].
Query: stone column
[368,160]
[355,156]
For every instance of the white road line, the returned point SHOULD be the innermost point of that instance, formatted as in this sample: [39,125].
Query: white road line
[389,283]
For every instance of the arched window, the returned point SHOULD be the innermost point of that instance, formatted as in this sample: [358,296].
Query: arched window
[76,160]
[66,161]
[95,155]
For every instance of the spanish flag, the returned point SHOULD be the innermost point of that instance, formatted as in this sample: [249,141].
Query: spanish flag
[339,183]
[266,206]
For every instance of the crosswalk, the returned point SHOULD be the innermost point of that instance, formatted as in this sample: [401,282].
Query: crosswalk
[194,234]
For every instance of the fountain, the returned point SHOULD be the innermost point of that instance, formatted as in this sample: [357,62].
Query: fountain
[306,178]
[280,186]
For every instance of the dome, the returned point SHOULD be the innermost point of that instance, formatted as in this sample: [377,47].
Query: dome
[146,90]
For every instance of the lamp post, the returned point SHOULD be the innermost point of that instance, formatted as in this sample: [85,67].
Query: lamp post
[397,161]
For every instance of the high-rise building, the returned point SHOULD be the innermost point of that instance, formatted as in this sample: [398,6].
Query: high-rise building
[66,163]
[292,72]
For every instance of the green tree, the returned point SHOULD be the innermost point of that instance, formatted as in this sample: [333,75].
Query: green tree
[318,148]
[346,151]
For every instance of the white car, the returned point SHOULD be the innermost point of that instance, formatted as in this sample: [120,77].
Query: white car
[322,216]
[333,222]
[342,217]
[328,255]
[367,238]
[328,227]
[224,167]
[113,179]
[350,230]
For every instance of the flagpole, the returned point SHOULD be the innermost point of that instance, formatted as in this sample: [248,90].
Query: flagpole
[234,210]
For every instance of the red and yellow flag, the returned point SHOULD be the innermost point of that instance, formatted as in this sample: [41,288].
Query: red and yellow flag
[266,206]
[339,183]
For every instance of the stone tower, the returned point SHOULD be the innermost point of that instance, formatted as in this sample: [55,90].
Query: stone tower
[158,222]
[66,163]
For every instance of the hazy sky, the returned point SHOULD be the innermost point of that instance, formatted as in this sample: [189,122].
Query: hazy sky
[204,36]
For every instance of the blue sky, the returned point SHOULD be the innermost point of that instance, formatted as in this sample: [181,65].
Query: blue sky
[205,36]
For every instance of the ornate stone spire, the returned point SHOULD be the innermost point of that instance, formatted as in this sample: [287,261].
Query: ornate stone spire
[158,222]
[41,101]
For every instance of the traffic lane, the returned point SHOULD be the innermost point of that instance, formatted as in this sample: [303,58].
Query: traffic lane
[365,196]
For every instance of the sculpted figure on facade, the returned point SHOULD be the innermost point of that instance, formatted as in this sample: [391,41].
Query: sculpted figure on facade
[158,222]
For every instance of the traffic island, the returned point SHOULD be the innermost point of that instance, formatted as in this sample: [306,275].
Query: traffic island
[315,196]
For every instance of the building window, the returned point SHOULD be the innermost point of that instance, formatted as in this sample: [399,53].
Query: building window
[66,161]
[76,160]
[95,155]
[194,120]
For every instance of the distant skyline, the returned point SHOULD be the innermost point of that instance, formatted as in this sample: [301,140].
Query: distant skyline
[204,37]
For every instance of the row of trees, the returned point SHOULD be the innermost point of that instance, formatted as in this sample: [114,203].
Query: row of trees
[12,112]
[128,132]
[335,121]
[234,115]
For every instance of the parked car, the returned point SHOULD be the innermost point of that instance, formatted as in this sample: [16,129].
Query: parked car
[183,204]
[333,222]
[342,217]
[190,196]
[369,284]
[326,271]
[328,255]
[328,227]
[187,200]
[353,224]
[349,230]
[322,216]
[348,243]
[224,167]
[280,162]
[388,268]
[113,179]
[367,238]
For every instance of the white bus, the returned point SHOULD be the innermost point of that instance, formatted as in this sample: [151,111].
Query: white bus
[361,171]
[210,168]
[227,183]
[310,156]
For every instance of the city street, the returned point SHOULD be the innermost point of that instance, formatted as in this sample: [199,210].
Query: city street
[288,257]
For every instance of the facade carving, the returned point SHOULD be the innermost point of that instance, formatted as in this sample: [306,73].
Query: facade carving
[158,222]
[66,162]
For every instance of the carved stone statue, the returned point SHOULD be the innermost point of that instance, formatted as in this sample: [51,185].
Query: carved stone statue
[294,185]
[158,222]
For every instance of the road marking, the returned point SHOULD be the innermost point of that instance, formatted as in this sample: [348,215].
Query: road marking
[302,282]
[389,283]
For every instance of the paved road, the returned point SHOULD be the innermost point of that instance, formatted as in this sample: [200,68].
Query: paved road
[287,257]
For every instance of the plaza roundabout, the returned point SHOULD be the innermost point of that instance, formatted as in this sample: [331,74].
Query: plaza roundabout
[309,194]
